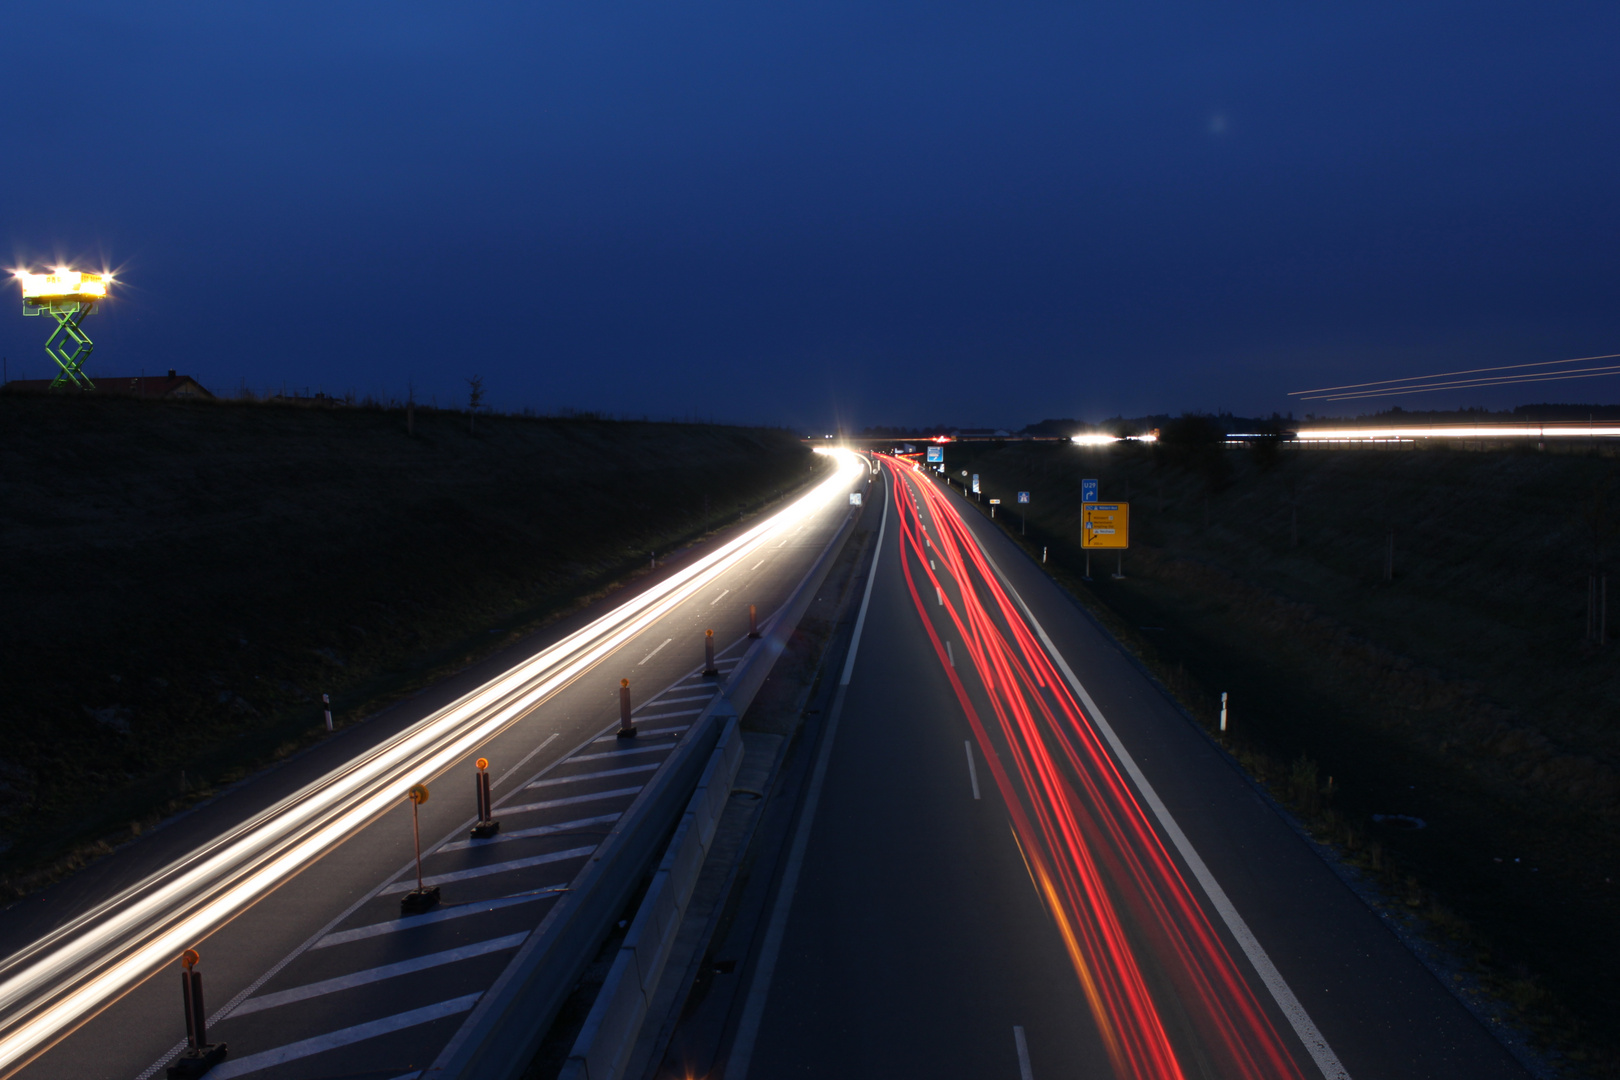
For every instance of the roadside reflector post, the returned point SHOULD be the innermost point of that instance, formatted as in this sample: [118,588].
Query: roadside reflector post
[627,730]
[326,704]
[708,654]
[1223,710]
[1043,555]
[423,897]
[753,621]
[486,824]
[200,1055]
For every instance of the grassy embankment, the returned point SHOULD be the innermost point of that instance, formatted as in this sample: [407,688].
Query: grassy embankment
[1461,693]
[183,581]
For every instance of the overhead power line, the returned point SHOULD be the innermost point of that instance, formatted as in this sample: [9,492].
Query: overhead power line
[1422,383]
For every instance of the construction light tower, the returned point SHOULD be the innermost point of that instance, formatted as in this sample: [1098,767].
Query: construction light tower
[67,296]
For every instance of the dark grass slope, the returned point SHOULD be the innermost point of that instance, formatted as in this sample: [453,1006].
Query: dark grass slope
[183,581]
[1462,692]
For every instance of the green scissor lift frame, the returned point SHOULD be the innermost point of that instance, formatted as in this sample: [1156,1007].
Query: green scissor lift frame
[68,315]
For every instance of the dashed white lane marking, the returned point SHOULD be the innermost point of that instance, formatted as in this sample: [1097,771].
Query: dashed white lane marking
[756,566]
[1024,1071]
[719,598]
[410,922]
[486,871]
[949,655]
[939,592]
[655,652]
[377,974]
[650,732]
[973,771]
[342,1037]
[570,801]
[784,541]
[525,834]
[594,775]
[662,748]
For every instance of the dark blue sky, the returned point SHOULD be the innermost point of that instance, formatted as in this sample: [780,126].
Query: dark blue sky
[880,213]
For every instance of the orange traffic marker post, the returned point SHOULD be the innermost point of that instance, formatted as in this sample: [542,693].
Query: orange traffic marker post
[200,1055]
[627,730]
[708,654]
[486,824]
[422,898]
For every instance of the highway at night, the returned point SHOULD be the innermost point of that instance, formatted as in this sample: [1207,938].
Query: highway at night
[289,886]
[1024,862]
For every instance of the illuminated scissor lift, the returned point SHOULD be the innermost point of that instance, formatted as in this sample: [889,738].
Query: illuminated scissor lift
[68,296]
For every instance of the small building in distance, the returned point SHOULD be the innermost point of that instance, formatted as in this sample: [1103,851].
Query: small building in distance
[145,386]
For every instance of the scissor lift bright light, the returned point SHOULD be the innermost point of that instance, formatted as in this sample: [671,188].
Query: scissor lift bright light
[67,296]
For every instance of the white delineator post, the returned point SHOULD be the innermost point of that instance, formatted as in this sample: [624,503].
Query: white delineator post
[326,703]
[1223,710]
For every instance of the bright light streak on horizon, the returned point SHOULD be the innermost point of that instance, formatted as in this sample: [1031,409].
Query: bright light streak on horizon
[53,985]
[1562,430]
[1097,439]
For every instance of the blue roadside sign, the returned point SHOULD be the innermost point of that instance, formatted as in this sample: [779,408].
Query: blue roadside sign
[1023,496]
[1088,491]
[936,454]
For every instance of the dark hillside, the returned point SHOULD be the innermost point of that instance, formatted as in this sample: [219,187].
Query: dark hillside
[1461,691]
[183,581]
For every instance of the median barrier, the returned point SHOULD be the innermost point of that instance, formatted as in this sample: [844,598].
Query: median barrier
[501,1035]
[604,1043]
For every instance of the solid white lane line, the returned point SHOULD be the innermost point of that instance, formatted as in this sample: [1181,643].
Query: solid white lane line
[661,748]
[342,1037]
[1321,1053]
[486,871]
[1024,1071]
[650,732]
[973,771]
[410,922]
[742,1046]
[655,652]
[550,804]
[593,775]
[719,598]
[507,775]
[525,834]
[377,974]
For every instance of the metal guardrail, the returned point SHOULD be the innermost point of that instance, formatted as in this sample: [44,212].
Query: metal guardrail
[501,1035]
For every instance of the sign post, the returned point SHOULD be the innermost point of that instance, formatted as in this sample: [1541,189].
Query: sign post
[1023,501]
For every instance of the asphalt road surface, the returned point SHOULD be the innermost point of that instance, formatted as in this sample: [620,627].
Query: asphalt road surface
[1022,861]
[289,886]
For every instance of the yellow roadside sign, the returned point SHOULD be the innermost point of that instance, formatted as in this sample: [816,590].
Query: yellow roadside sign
[1105,525]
